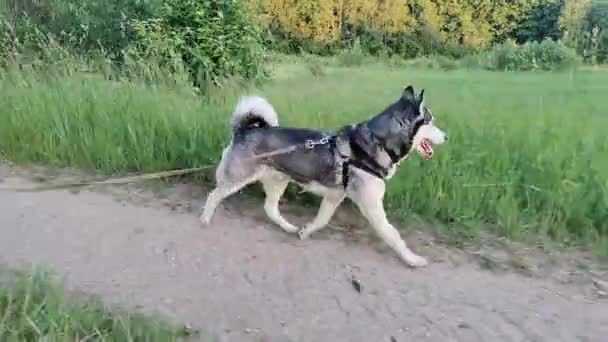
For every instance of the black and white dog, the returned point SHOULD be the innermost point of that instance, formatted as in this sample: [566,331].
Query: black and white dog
[353,162]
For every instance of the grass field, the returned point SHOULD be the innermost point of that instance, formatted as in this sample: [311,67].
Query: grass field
[35,308]
[526,156]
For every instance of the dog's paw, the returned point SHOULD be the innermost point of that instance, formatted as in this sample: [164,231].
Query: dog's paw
[205,221]
[302,234]
[416,261]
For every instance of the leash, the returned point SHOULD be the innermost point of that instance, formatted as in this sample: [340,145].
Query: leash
[310,144]
[121,180]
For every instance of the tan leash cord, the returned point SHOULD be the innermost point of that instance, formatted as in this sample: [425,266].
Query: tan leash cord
[137,178]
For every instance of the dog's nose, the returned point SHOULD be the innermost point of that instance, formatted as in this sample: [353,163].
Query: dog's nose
[446,137]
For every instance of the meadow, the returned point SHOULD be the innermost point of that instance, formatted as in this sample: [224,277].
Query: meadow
[526,157]
[107,88]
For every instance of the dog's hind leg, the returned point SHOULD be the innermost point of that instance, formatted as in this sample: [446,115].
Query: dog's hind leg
[227,185]
[274,187]
[222,191]
[328,207]
[368,193]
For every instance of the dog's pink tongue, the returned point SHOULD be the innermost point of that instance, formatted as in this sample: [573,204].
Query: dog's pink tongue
[428,150]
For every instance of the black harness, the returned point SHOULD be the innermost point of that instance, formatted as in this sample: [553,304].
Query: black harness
[361,160]
[365,162]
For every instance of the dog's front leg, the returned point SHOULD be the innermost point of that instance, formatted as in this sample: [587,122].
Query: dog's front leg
[368,194]
[328,207]
[377,217]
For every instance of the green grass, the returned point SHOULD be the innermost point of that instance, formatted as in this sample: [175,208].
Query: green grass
[35,308]
[526,156]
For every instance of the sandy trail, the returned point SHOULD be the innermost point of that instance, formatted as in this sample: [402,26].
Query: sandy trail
[244,280]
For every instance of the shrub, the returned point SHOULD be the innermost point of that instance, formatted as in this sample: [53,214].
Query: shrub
[422,42]
[554,56]
[509,56]
[354,56]
[80,25]
[216,39]
[547,55]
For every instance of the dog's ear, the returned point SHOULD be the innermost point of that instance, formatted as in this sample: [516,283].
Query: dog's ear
[408,94]
[421,105]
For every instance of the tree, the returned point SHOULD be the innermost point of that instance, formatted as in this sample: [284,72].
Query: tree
[540,22]
[571,20]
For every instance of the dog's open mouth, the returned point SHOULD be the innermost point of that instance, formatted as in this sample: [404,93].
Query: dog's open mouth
[426,148]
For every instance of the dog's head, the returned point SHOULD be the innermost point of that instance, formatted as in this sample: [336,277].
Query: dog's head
[423,132]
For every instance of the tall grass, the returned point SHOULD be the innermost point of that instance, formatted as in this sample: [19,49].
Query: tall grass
[526,156]
[35,308]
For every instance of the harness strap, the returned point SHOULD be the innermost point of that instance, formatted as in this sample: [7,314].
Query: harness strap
[345,174]
[375,169]
[391,154]
[346,160]
[365,162]
[360,165]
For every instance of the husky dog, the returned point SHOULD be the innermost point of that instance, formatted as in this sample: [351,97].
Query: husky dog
[354,162]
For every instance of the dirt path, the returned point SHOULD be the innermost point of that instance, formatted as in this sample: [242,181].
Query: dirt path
[244,280]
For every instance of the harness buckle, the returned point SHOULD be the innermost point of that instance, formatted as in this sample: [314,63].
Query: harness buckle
[310,144]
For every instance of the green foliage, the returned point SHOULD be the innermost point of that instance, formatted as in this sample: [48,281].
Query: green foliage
[546,55]
[216,39]
[81,25]
[572,20]
[428,27]
[354,56]
[424,41]
[597,16]
[541,21]
[35,308]
[595,34]
[219,39]
[410,28]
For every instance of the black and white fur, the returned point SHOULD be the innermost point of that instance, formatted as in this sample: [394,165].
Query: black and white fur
[355,163]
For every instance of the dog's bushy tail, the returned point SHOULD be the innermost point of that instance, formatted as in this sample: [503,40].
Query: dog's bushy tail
[253,111]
